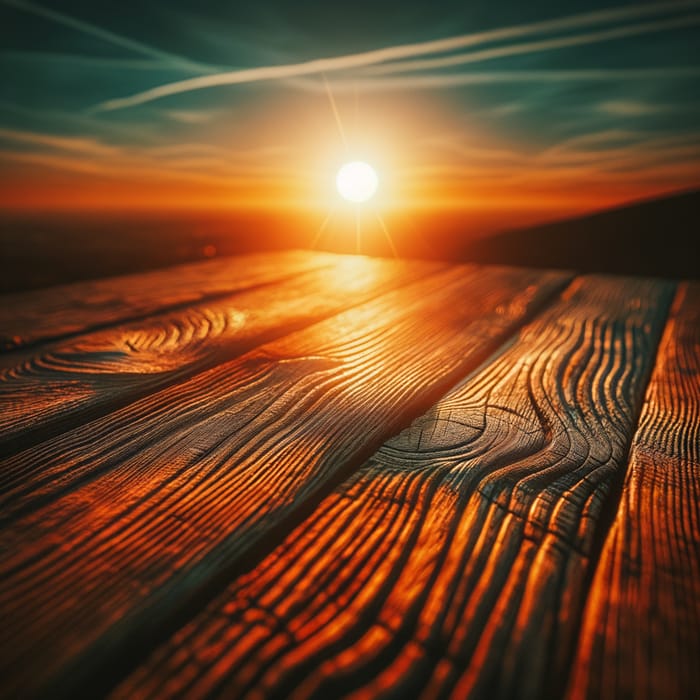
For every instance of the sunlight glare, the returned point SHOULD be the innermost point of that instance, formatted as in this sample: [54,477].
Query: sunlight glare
[357,181]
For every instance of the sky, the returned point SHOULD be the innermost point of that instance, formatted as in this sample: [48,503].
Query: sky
[467,104]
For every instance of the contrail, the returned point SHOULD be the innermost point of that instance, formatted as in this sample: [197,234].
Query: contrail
[106,35]
[437,81]
[392,53]
[536,46]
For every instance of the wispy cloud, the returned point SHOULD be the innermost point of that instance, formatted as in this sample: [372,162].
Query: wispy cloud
[189,116]
[395,55]
[65,143]
[78,60]
[606,157]
[183,161]
[126,167]
[612,150]
[208,150]
[109,36]
[638,108]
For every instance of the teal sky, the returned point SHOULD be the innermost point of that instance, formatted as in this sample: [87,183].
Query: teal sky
[612,90]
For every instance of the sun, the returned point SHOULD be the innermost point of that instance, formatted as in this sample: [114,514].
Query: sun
[357,181]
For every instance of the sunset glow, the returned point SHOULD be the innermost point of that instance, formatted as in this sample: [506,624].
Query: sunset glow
[542,116]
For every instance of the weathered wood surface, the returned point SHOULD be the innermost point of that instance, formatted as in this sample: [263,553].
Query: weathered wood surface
[115,528]
[56,386]
[455,561]
[30,317]
[207,490]
[641,631]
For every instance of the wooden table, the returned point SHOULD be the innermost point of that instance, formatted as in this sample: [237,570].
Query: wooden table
[298,474]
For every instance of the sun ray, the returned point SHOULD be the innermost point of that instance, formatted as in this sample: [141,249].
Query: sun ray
[356,106]
[322,228]
[336,113]
[387,234]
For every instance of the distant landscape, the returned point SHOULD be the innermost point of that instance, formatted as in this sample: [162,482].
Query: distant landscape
[642,238]
[648,238]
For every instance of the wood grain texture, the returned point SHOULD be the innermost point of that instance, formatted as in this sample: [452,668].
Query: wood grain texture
[454,562]
[641,631]
[113,527]
[57,386]
[30,317]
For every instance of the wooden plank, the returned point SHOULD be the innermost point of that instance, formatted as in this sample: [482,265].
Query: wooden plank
[136,514]
[57,386]
[454,562]
[39,315]
[641,630]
